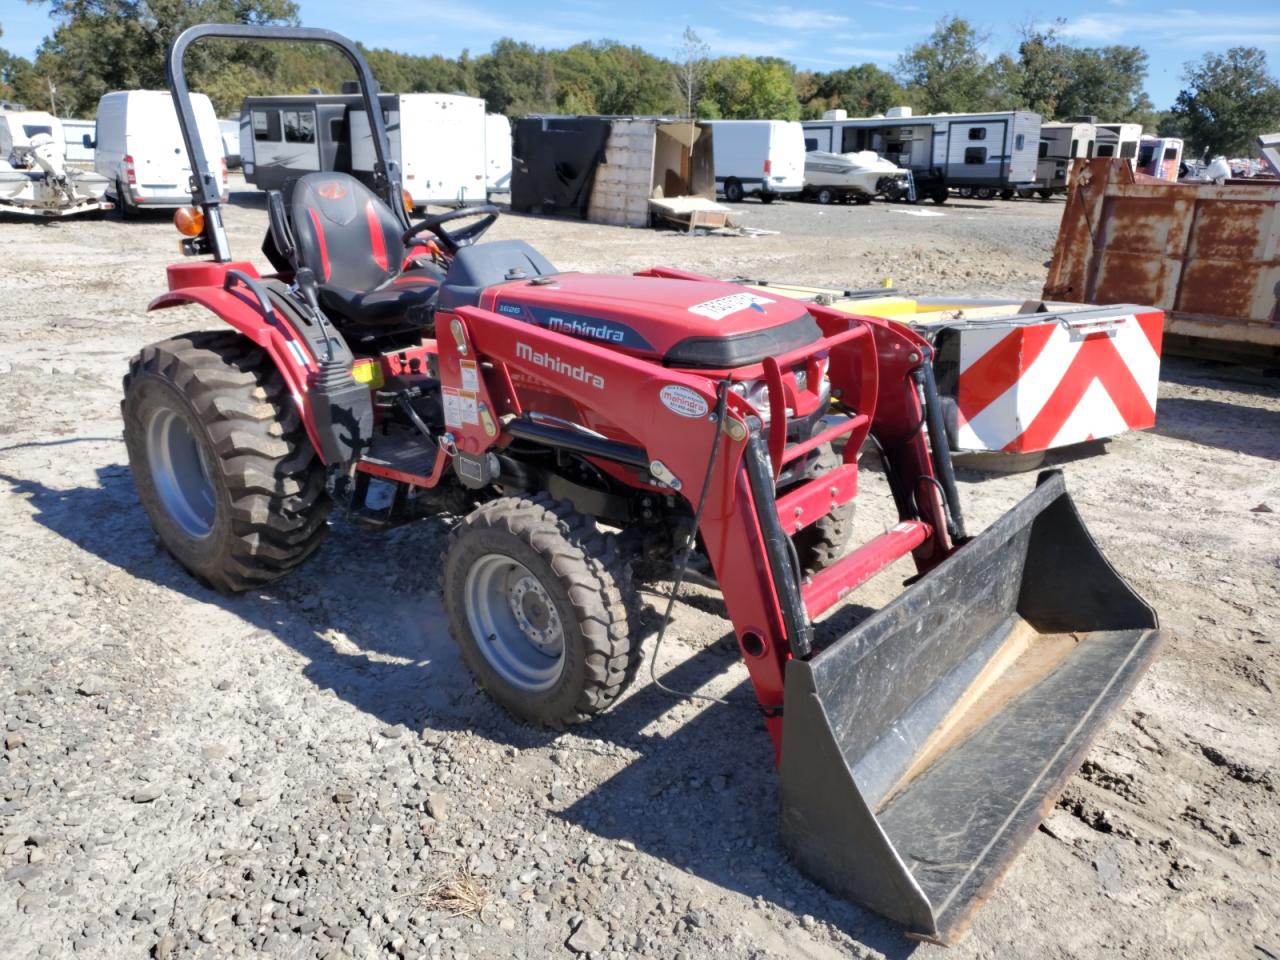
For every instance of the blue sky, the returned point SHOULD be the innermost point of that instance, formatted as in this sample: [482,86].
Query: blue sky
[814,35]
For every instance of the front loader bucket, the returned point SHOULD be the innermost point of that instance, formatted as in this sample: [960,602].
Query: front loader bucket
[921,750]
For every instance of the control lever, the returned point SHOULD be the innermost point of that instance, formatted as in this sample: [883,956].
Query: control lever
[305,279]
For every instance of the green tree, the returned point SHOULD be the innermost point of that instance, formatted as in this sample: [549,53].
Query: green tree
[103,45]
[1107,82]
[862,90]
[750,88]
[949,73]
[689,73]
[608,78]
[516,78]
[1228,100]
[1039,75]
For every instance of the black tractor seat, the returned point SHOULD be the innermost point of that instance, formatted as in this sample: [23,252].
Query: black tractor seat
[351,241]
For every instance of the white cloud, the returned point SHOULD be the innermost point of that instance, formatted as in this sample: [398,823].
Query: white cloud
[1174,27]
[793,18]
[911,7]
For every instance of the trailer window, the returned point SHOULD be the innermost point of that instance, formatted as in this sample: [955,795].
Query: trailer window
[976,155]
[1107,150]
[1171,153]
[1019,141]
[266,125]
[299,126]
[338,130]
[977,133]
[1075,148]
[852,140]
[1044,149]
[1088,151]
[1128,150]
[1146,155]
[810,144]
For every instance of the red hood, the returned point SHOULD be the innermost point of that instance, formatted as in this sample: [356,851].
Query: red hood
[652,315]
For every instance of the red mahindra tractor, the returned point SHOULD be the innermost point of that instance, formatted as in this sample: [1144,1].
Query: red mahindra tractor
[392,379]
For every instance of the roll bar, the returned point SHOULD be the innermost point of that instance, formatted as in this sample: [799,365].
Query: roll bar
[205,192]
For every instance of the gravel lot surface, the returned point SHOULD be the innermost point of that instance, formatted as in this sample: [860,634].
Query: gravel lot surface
[308,771]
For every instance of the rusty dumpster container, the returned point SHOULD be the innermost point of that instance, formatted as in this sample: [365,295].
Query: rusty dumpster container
[1207,254]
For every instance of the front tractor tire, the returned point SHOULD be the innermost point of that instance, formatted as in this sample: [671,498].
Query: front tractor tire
[534,594]
[221,460]
[824,542]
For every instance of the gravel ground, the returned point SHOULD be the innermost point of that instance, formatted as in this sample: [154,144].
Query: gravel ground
[309,772]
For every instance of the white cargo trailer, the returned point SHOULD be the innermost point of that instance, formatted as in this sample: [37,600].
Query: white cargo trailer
[438,139]
[761,158]
[497,152]
[140,150]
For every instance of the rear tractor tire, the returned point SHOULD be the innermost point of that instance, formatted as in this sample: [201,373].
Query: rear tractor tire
[536,600]
[823,543]
[221,460]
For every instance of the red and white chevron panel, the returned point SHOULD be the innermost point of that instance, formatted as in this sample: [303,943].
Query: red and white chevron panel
[1057,383]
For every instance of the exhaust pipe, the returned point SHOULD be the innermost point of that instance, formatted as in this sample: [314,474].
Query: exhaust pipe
[922,749]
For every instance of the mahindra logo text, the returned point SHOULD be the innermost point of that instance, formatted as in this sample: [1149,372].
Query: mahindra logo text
[578,328]
[553,363]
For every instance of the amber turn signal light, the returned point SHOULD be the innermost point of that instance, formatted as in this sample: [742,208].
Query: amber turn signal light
[407,198]
[189,221]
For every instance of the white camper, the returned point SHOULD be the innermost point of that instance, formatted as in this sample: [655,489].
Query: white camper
[971,151]
[141,153]
[1061,145]
[1118,140]
[497,152]
[762,158]
[79,136]
[437,138]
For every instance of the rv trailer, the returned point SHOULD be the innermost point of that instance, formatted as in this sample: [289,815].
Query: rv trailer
[1061,144]
[979,151]
[1118,140]
[1159,157]
[438,140]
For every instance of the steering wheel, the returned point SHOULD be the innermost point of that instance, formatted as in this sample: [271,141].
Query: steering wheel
[452,240]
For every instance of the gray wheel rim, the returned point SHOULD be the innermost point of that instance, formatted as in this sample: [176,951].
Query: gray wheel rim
[515,623]
[180,473]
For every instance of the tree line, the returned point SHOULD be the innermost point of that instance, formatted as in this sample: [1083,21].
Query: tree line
[102,45]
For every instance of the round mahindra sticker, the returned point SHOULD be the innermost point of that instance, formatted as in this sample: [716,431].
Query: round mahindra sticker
[683,401]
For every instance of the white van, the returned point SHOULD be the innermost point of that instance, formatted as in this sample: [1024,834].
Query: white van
[140,149]
[763,158]
[497,152]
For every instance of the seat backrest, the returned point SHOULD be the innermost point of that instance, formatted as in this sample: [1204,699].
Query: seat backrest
[344,232]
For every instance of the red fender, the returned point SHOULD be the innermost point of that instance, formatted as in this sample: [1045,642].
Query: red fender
[238,308]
